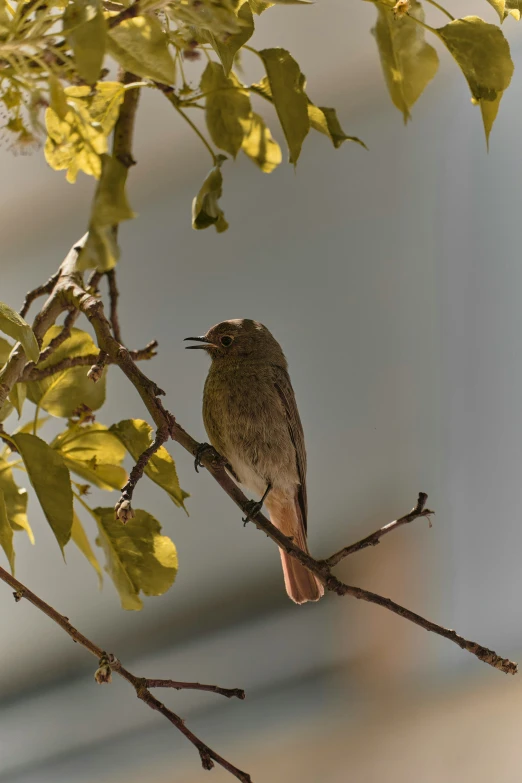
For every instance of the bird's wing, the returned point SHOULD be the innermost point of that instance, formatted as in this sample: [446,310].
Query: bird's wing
[286,393]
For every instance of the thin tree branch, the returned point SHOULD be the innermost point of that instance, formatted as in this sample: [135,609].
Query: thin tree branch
[229,693]
[374,538]
[123,507]
[30,296]
[114,295]
[141,685]
[33,373]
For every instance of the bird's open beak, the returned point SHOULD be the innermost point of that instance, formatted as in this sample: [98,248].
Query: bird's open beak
[203,340]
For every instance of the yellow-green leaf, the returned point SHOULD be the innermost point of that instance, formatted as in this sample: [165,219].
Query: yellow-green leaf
[58,98]
[79,536]
[407,61]
[260,147]
[110,207]
[138,558]
[500,8]
[489,111]
[60,394]
[325,121]
[136,436]
[5,350]
[86,32]
[258,6]
[14,325]
[227,108]
[51,481]
[15,500]
[287,85]
[17,397]
[483,55]
[141,46]
[76,141]
[514,7]
[94,453]
[227,46]
[205,207]
[6,533]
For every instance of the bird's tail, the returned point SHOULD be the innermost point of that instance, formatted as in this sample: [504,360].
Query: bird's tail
[301,585]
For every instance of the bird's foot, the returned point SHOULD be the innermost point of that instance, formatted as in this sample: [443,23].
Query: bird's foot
[252,509]
[202,448]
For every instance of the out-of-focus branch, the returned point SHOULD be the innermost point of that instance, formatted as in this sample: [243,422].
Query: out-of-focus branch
[142,685]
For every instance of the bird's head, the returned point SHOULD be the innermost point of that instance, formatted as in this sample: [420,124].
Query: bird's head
[239,339]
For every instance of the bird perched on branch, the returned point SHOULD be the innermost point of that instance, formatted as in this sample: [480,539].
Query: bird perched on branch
[251,418]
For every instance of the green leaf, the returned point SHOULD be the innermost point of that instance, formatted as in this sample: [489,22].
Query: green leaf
[79,536]
[76,141]
[5,351]
[60,394]
[136,436]
[86,33]
[483,55]
[205,207]
[15,500]
[260,147]
[51,481]
[5,411]
[93,453]
[514,7]
[110,207]
[14,325]
[325,121]
[407,61]
[58,98]
[141,46]
[258,6]
[287,85]
[227,46]
[6,533]
[227,108]
[17,397]
[489,111]
[139,559]
[500,8]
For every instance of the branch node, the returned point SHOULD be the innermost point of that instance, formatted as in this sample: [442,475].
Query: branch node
[96,371]
[123,510]
[103,674]
[18,595]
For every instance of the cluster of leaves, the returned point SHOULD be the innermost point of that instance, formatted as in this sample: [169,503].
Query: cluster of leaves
[138,558]
[56,55]
[480,50]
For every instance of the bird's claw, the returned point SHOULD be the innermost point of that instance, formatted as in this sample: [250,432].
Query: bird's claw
[199,453]
[252,509]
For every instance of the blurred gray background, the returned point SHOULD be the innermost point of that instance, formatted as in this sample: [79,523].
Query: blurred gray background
[392,278]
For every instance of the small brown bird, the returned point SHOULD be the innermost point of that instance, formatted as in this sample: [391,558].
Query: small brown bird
[251,419]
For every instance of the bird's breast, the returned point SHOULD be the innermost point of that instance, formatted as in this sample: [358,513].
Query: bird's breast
[246,423]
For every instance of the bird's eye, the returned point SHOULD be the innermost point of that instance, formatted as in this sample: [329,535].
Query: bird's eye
[226,340]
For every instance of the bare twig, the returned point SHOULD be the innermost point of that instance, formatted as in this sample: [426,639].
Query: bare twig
[114,296]
[140,684]
[32,373]
[374,538]
[60,338]
[36,292]
[123,507]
